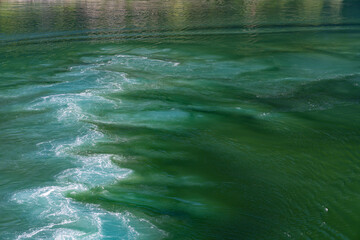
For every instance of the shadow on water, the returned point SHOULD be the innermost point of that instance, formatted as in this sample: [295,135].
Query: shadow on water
[198,186]
[216,180]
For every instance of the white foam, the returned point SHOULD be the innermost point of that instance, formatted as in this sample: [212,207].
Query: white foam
[34,232]
[89,137]
[53,215]
[49,205]
[96,170]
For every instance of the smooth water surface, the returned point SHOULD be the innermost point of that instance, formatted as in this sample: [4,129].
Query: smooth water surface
[180,119]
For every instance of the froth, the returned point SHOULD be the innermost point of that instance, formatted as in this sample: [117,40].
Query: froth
[53,215]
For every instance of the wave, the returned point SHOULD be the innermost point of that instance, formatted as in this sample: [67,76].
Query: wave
[158,138]
[54,214]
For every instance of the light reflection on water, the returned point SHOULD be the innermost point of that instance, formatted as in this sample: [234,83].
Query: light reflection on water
[40,16]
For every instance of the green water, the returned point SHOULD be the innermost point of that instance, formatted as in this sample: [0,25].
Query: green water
[180,119]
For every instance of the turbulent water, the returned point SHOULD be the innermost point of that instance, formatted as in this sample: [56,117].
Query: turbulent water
[180,119]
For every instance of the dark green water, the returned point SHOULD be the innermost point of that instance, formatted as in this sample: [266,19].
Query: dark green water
[180,119]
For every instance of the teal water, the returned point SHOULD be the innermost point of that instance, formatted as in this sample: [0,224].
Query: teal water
[180,119]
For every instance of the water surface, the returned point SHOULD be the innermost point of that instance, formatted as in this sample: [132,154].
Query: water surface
[180,119]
